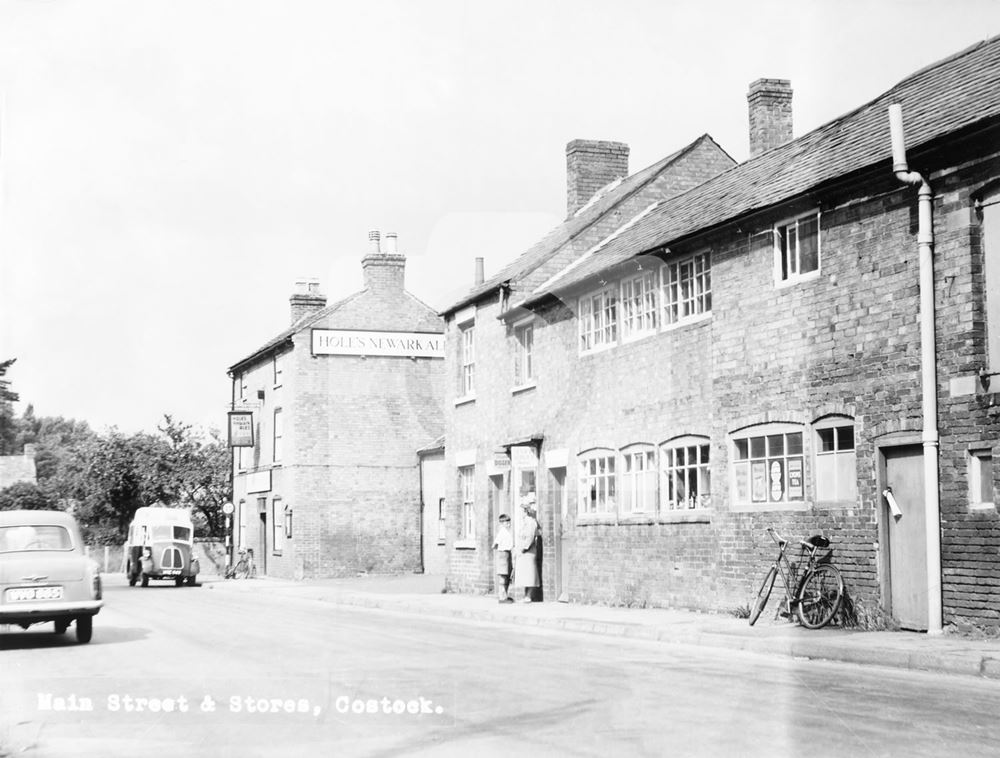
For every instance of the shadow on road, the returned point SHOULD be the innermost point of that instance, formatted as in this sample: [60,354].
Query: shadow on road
[42,637]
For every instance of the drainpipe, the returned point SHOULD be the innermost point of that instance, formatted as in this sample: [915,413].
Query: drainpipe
[928,365]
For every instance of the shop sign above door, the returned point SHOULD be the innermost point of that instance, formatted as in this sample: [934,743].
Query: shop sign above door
[355,342]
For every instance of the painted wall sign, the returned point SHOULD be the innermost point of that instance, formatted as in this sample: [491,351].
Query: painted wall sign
[240,429]
[524,456]
[259,481]
[400,344]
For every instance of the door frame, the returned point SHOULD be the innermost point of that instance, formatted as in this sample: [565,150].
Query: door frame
[887,442]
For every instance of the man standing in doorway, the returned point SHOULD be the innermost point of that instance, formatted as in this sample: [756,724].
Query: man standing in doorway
[503,545]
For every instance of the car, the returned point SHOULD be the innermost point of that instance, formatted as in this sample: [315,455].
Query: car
[45,574]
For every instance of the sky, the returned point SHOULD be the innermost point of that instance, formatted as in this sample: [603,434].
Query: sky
[169,168]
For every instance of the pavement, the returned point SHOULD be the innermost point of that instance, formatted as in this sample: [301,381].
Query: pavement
[424,595]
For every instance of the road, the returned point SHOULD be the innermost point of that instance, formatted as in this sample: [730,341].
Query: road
[220,671]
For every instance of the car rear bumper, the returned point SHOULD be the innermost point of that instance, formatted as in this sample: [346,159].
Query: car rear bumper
[48,611]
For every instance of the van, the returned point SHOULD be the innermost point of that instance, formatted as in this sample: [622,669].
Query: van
[161,546]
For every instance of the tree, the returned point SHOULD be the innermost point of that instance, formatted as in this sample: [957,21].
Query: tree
[24,496]
[8,424]
[199,471]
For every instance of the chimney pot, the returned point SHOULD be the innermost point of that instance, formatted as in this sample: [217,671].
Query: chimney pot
[770,113]
[373,241]
[383,271]
[480,272]
[590,166]
[390,243]
[306,298]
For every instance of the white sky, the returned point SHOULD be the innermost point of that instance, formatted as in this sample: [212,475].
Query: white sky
[168,168]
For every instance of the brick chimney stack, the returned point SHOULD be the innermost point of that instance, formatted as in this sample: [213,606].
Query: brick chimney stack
[770,107]
[383,272]
[306,299]
[591,165]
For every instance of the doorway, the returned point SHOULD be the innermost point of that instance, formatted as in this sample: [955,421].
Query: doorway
[905,535]
[260,559]
[557,504]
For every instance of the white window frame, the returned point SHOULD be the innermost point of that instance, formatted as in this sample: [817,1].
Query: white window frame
[524,366]
[467,360]
[597,316]
[597,483]
[639,307]
[686,289]
[978,472]
[989,219]
[278,369]
[679,473]
[824,458]
[755,472]
[783,277]
[278,433]
[277,526]
[638,479]
[467,507]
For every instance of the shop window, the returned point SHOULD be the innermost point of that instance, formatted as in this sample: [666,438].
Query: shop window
[836,462]
[467,522]
[524,343]
[597,483]
[768,466]
[467,361]
[598,320]
[981,478]
[639,305]
[687,288]
[797,248]
[639,479]
[686,479]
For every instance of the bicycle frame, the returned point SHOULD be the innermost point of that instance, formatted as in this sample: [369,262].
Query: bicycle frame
[813,586]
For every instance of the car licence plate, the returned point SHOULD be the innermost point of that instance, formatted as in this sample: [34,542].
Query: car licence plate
[16,594]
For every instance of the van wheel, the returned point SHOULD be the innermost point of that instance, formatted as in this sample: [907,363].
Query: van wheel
[62,625]
[179,581]
[145,579]
[191,580]
[84,628]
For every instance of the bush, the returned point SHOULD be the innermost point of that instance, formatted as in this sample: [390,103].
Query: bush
[24,496]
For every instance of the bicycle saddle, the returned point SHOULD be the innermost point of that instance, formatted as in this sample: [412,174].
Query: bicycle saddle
[818,541]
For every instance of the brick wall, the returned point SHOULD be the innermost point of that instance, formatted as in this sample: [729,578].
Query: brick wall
[845,342]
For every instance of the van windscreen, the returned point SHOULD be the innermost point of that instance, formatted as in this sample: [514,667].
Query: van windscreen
[169,532]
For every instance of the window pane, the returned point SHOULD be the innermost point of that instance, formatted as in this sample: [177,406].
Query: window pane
[846,476]
[775,444]
[826,440]
[742,450]
[756,447]
[808,244]
[986,478]
[794,443]
[845,438]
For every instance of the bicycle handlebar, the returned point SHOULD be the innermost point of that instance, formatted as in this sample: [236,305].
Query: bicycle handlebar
[782,541]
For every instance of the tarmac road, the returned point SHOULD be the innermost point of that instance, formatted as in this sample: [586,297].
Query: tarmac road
[221,671]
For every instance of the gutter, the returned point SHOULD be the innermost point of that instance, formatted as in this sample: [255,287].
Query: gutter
[928,366]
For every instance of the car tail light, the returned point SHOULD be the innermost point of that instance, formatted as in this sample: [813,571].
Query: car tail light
[96,586]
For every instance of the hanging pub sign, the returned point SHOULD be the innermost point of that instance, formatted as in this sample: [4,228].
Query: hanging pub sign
[240,429]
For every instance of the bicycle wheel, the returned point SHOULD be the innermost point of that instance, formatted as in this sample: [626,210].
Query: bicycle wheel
[762,595]
[820,595]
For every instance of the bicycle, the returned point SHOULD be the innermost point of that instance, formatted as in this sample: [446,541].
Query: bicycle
[244,568]
[819,591]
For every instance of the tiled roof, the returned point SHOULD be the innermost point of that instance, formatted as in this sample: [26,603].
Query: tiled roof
[603,202]
[302,323]
[941,99]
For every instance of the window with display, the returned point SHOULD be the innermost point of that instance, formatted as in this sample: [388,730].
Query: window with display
[686,480]
[768,467]
[597,482]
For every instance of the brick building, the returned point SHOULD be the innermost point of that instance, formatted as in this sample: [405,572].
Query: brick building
[339,404]
[776,346]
